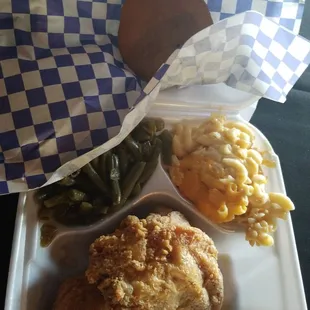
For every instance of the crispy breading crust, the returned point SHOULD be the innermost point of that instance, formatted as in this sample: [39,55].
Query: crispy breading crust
[78,294]
[160,262]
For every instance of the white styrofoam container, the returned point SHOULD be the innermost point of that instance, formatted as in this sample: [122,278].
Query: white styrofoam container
[255,278]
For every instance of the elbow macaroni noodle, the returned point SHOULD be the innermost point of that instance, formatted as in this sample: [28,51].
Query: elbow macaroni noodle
[216,166]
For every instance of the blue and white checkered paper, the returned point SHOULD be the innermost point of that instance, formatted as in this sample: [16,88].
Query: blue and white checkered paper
[287,13]
[66,97]
[247,52]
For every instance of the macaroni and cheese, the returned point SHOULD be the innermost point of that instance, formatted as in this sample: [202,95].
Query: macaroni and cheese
[217,167]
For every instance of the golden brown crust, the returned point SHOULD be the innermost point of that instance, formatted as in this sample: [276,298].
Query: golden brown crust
[78,294]
[150,31]
[160,262]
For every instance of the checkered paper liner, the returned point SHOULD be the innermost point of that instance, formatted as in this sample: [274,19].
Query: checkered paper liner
[66,97]
[287,13]
[247,52]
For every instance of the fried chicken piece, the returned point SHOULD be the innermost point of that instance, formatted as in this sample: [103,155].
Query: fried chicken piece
[78,294]
[157,263]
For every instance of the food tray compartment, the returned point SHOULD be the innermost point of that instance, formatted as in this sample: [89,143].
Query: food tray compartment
[245,269]
[255,278]
[68,254]
[160,180]
[45,268]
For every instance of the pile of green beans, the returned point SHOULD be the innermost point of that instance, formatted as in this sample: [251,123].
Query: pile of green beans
[107,182]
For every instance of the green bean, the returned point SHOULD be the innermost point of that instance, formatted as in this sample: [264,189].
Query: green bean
[86,207]
[136,190]
[101,210]
[87,195]
[95,178]
[114,177]
[166,138]
[131,159]
[75,173]
[48,191]
[147,129]
[144,131]
[76,195]
[157,148]
[140,135]
[56,200]
[133,147]
[102,167]
[148,170]
[72,215]
[147,149]
[61,212]
[66,181]
[95,163]
[160,124]
[131,179]
[48,233]
[152,163]
[84,184]
[149,125]
[41,195]
[123,160]
[98,201]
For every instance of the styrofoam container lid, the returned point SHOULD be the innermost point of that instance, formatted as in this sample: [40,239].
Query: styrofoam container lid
[216,97]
